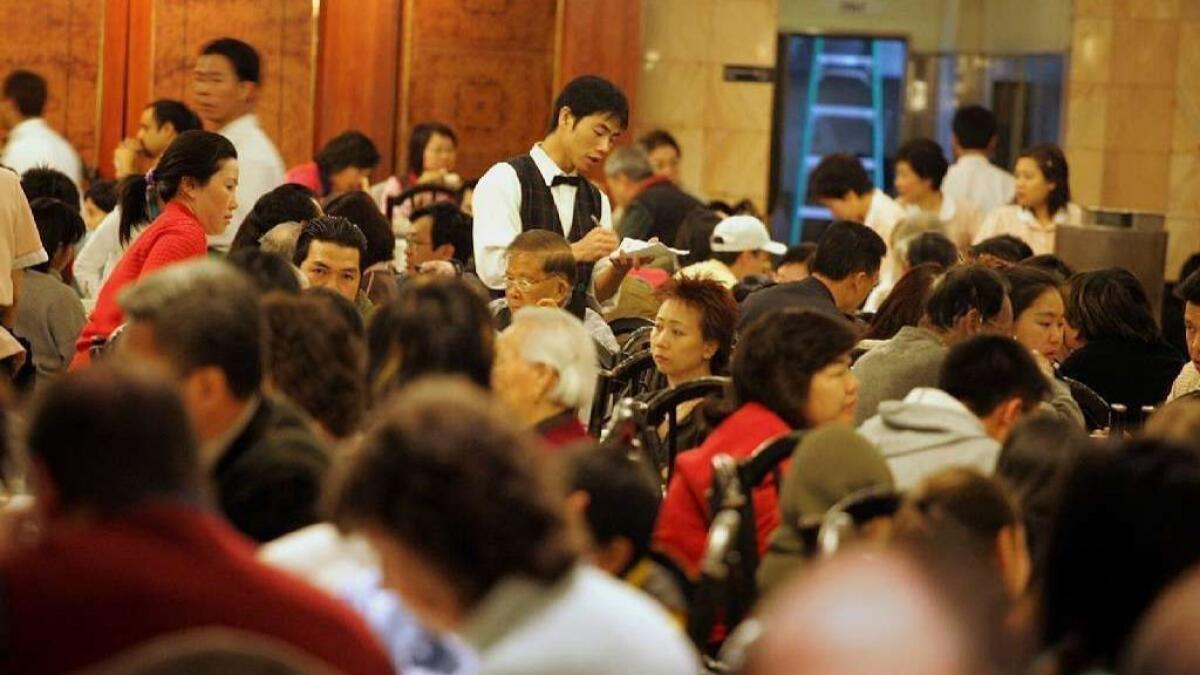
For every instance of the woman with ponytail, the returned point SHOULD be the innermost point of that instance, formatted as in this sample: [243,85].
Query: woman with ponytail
[190,194]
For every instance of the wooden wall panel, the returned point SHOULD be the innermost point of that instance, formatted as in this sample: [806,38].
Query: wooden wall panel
[486,68]
[358,73]
[283,32]
[60,40]
[602,37]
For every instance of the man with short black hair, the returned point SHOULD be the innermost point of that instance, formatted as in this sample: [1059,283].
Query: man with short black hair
[330,253]
[200,322]
[844,270]
[439,232]
[965,302]
[226,82]
[31,142]
[45,182]
[652,206]
[126,550]
[973,177]
[1188,381]
[985,386]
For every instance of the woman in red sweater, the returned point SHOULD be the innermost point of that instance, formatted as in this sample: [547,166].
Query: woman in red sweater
[791,370]
[190,194]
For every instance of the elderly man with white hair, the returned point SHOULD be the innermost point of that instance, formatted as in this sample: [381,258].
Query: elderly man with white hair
[545,372]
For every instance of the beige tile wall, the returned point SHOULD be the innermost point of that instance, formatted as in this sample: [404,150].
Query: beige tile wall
[724,127]
[1133,112]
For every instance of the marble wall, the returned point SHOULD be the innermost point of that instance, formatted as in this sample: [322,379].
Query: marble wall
[724,127]
[1133,112]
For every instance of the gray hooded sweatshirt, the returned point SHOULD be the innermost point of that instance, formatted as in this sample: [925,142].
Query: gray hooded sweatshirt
[929,431]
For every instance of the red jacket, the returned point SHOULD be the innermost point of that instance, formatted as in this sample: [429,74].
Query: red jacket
[562,430]
[174,236]
[683,520]
[88,594]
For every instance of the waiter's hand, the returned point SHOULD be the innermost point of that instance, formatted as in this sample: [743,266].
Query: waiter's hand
[125,157]
[596,244]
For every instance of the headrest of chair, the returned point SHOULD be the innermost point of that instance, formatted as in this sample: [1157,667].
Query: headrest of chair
[843,521]
[754,469]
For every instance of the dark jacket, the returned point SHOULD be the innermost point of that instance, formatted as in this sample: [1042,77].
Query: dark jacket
[807,293]
[657,211]
[269,478]
[1130,372]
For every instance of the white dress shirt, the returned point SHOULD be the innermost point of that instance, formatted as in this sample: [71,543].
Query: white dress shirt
[882,217]
[497,208]
[961,217]
[975,179]
[1021,223]
[33,143]
[100,254]
[260,170]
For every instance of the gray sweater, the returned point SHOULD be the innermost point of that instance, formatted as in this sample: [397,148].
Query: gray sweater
[911,359]
[50,316]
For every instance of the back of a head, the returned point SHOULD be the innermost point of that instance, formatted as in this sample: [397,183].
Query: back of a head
[1110,303]
[926,159]
[836,176]
[777,356]
[987,370]
[349,149]
[202,313]
[847,248]
[1188,288]
[974,127]
[694,234]
[555,338]
[623,495]
[552,248]
[905,304]
[212,651]
[1178,422]
[177,114]
[27,90]
[658,138]
[932,247]
[58,225]
[591,95]
[629,161]
[1165,641]
[450,226]
[102,193]
[1051,264]
[962,289]
[246,64]
[1124,530]
[958,506]
[289,202]
[114,438]
[332,230]
[433,326]
[359,208]
[1004,247]
[269,271]
[448,474]
[801,253]
[42,181]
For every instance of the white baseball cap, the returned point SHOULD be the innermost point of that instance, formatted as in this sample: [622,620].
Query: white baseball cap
[744,233]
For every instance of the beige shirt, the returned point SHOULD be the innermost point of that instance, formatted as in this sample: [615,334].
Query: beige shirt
[1187,382]
[20,243]
[974,178]
[962,219]
[1020,223]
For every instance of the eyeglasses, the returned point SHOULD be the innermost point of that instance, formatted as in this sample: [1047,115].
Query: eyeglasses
[414,241]
[523,285]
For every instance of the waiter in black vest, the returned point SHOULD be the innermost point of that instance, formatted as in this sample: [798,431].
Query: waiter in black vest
[544,189]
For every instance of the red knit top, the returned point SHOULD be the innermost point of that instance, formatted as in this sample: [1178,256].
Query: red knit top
[176,235]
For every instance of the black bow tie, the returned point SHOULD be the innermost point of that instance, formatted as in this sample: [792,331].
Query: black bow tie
[560,179]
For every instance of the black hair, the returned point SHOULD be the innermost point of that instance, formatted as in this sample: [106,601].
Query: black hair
[1053,165]
[590,95]
[450,226]
[836,176]
[332,229]
[847,248]
[139,442]
[623,496]
[658,138]
[801,253]
[905,303]
[102,193]
[1188,290]
[268,271]
[193,154]
[932,247]
[926,158]
[58,225]
[419,139]
[694,234]
[986,370]
[1192,264]
[1124,530]
[1110,303]
[28,90]
[347,149]
[775,359]
[1003,246]
[360,209]
[974,126]
[1027,284]
[1052,264]
[177,114]
[962,289]
[341,305]
[287,203]
[243,57]
[42,181]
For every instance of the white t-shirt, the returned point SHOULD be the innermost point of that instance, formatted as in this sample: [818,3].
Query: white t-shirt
[260,170]
[33,143]
[975,179]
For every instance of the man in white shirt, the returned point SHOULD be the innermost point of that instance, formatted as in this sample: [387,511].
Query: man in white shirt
[225,82]
[973,177]
[31,142]
[544,189]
